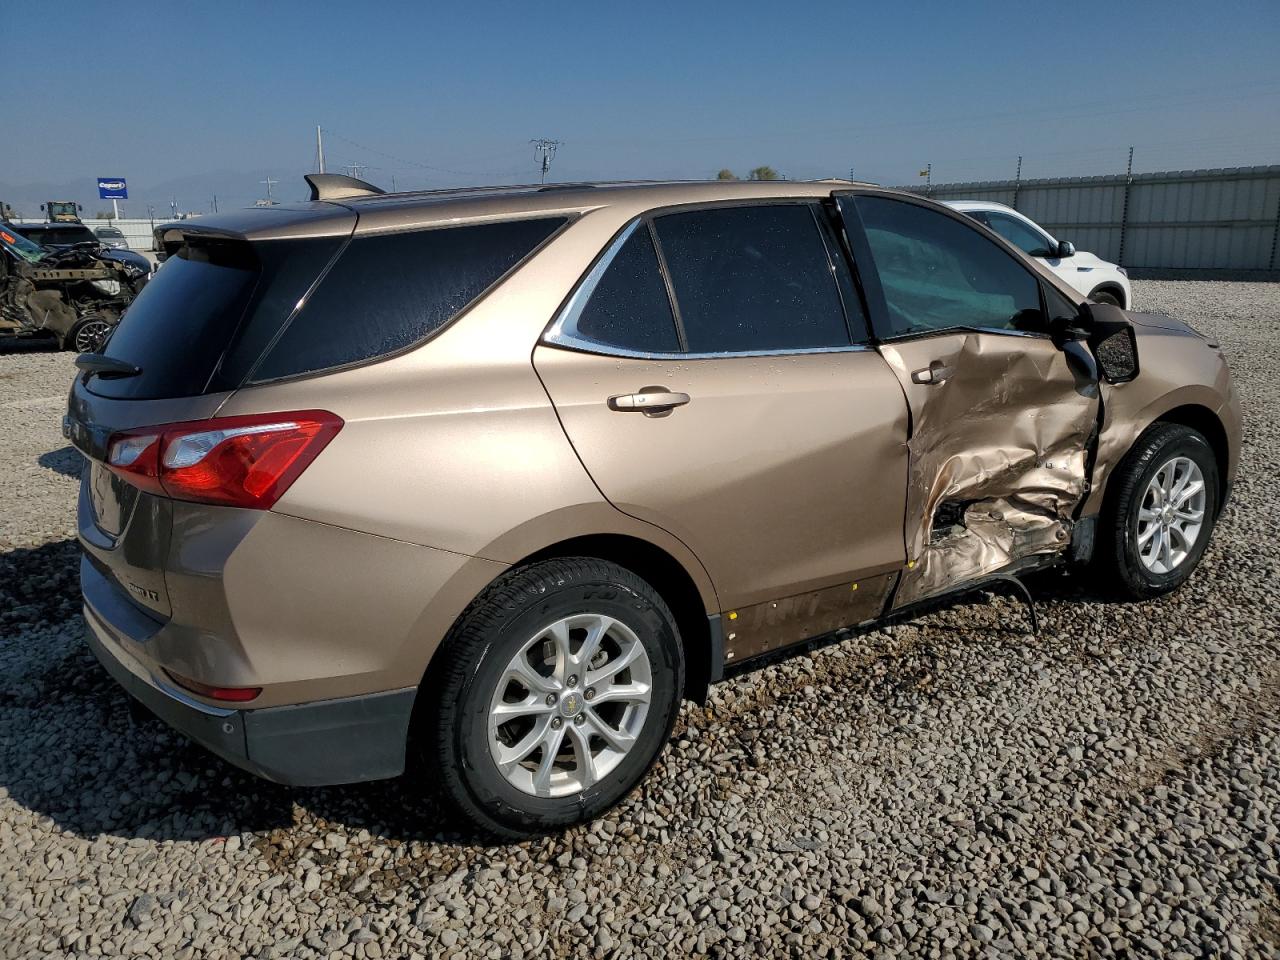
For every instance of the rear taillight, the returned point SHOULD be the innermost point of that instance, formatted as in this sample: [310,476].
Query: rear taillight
[247,461]
[229,694]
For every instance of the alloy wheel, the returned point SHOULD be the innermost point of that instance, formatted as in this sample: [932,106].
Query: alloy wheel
[570,705]
[91,336]
[1171,515]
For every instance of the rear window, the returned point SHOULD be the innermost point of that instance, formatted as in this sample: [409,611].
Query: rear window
[57,236]
[388,292]
[221,313]
[184,321]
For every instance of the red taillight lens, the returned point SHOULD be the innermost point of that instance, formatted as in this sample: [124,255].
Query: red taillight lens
[230,694]
[247,461]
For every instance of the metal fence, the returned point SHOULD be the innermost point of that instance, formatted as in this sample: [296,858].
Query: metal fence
[1226,220]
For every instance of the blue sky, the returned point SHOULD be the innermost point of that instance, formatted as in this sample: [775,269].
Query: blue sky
[206,96]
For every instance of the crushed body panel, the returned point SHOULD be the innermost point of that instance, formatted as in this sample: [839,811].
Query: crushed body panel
[998,455]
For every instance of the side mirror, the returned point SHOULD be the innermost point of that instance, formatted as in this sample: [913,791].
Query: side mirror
[1112,339]
[1066,249]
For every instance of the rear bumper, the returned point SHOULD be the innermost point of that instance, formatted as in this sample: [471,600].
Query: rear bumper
[344,740]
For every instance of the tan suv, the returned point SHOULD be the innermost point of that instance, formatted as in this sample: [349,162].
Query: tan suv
[493,478]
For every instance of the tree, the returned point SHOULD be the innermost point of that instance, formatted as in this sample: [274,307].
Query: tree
[726,174]
[764,173]
[106,215]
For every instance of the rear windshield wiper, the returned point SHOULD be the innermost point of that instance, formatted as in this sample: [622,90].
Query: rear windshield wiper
[106,367]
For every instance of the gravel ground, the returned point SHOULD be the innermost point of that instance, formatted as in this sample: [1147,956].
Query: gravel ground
[949,787]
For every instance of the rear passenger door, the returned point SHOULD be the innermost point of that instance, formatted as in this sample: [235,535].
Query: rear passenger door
[712,372]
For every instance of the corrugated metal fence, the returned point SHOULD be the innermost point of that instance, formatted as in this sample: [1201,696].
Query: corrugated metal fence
[1226,219]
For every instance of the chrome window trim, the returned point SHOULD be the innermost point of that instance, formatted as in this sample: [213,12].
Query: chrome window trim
[942,331]
[565,326]
[604,350]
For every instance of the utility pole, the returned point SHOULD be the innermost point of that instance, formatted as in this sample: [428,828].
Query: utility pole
[851,176]
[1124,208]
[545,151]
[173,207]
[319,151]
[356,170]
[151,215]
[214,203]
[393,183]
[1017,182]
[268,182]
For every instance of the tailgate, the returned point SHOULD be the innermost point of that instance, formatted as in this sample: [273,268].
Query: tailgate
[124,531]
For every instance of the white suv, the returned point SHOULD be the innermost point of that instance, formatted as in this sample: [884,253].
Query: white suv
[1097,279]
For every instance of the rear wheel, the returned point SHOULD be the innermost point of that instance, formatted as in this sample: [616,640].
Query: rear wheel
[553,696]
[1160,513]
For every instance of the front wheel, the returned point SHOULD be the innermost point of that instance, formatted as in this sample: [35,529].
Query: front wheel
[1102,296]
[552,696]
[88,334]
[1160,513]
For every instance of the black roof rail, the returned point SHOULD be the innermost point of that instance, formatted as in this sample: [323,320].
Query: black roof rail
[564,186]
[335,186]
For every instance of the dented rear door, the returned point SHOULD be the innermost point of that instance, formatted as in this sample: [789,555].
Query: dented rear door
[1001,419]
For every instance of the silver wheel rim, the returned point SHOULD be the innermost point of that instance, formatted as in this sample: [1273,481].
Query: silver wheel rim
[1171,515]
[91,335]
[569,706]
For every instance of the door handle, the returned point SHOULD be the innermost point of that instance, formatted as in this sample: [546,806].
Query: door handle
[935,372]
[649,401]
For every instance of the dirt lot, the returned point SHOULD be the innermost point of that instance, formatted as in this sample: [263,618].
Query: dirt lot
[946,787]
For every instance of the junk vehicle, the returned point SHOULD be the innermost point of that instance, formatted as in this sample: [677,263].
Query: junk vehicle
[488,480]
[74,294]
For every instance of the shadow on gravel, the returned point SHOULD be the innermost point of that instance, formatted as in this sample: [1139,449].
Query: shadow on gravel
[38,586]
[78,753]
[33,345]
[67,461]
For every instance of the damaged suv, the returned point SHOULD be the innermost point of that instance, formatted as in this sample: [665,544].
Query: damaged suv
[75,294]
[489,480]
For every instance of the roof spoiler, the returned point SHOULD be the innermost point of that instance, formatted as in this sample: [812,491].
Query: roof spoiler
[334,186]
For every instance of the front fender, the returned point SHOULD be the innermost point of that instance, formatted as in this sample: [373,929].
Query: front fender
[1180,369]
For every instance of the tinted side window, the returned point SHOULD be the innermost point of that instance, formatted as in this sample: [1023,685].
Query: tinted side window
[752,278]
[1026,238]
[937,273]
[388,292]
[626,301]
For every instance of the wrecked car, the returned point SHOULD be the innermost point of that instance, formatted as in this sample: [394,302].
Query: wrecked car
[75,294]
[487,481]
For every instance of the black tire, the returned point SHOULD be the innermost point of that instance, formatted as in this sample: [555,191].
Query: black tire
[80,331]
[1117,559]
[474,656]
[1103,296]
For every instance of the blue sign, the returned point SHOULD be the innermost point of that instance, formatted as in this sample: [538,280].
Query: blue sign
[112,188]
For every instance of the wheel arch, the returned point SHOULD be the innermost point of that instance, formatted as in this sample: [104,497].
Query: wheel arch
[673,582]
[1207,423]
[1114,289]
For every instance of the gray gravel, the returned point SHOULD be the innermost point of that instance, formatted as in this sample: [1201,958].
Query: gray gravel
[948,787]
